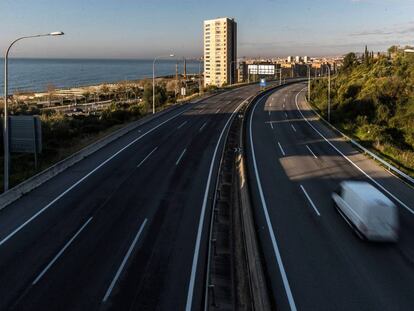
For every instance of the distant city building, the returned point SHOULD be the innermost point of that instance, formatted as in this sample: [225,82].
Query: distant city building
[306,59]
[297,59]
[220,51]
[289,59]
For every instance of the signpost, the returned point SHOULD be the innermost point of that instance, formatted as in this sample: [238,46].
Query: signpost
[26,135]
[262,83]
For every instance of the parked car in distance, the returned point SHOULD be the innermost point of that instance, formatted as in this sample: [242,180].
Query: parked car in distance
[367,210]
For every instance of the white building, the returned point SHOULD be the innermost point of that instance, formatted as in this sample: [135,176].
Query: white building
[220,51]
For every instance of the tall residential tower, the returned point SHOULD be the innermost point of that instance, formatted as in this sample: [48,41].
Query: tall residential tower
[220,51]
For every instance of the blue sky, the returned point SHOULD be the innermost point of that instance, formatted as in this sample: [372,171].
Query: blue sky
[144,28]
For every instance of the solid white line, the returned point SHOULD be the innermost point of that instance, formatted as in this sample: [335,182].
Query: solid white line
[286,115]
[310,200]
[268,221]
[182,124]
[61,252]
[124,261]
[281,149]
[310,150]
[180,157]
[217,111]
[147,156]
[269,112]
[293,127]
[201,128]
[86,176]
[271,125]
[202,215]
[350,161]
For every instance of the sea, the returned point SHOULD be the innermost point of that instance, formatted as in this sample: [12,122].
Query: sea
[28,74]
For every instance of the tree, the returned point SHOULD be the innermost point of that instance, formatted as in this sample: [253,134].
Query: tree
[350,60]
[160,95]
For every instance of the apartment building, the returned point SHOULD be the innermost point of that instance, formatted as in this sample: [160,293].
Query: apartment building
[220,51]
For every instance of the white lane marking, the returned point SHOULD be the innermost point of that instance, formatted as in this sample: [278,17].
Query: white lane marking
[86,176]
[286,115]
[201,128]
[217,111]
[310,200]
[271,125]
[269,112]
[281,149]
[284,100]
[182,124]
[142,162]
[124,261]
[293,128]
[350,161]
[268,221]
[202,215]
[310,150]
[283,105]
[181,156]
[61,252]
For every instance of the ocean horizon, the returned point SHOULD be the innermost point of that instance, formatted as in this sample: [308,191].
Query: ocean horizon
[36,74]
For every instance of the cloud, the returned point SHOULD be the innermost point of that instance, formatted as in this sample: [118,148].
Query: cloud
[395,30]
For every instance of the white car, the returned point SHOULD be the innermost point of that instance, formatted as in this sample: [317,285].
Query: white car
[369,212]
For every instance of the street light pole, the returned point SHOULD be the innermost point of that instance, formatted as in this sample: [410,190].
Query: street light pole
[199,77]
[309,83]
[153,80]
[329,92]
[5,114]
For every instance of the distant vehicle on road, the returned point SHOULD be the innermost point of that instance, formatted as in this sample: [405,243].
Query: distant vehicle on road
[77,109]
[369,212]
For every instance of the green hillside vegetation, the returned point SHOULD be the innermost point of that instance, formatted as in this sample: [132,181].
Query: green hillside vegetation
[372,99]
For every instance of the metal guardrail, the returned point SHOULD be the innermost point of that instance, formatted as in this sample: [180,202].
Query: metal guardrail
[388,165]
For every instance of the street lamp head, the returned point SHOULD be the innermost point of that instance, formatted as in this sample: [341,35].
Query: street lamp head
[172,55]
[57,33]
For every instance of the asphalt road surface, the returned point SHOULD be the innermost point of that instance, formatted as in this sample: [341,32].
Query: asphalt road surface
[125,228]
[313,259]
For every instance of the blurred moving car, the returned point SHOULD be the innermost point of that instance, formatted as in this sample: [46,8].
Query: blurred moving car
[369,212]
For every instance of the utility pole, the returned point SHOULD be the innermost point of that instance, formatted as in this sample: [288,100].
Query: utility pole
[280,76]
[177,86]
[309,83]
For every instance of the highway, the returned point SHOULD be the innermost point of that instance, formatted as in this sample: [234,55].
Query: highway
[125,228]
[313,260]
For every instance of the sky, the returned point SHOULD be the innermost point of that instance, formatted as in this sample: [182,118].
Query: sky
[147,28]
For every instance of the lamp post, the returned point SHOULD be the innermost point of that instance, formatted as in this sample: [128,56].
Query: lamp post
[153,80]
[329,92]
[199,76]
[309,82]
[5,115]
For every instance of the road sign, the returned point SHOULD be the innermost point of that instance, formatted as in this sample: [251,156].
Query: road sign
[183,91]
[25,134]
[262,82]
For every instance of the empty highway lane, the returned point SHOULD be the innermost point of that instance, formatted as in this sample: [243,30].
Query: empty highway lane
[313,259]
[125,228]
